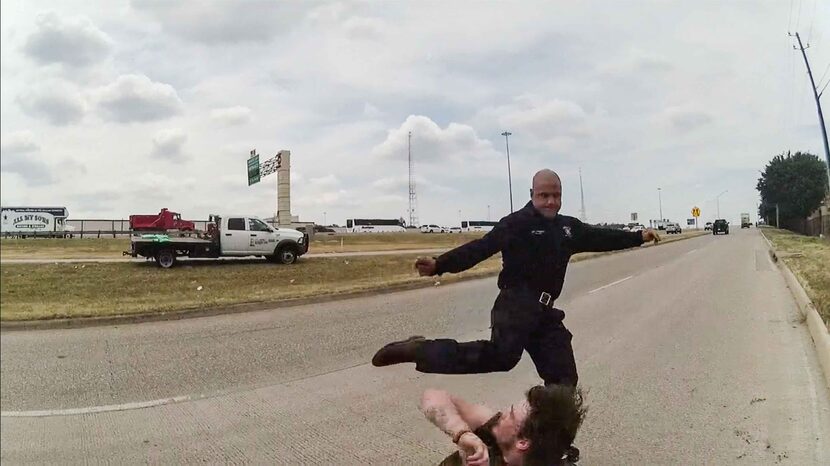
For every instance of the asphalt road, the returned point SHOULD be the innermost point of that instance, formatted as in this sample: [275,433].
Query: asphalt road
[692,353]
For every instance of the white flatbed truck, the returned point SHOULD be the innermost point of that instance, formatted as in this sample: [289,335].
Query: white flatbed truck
[226,236]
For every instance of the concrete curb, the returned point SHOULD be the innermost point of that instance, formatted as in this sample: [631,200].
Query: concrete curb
[83,322]
[818,331]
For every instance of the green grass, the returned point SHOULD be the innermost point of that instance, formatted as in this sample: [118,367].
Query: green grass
[809,259]
[41,291]
[47,291]
[52,248]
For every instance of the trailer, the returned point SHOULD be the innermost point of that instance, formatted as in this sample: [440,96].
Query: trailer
[226,236]
[23,222]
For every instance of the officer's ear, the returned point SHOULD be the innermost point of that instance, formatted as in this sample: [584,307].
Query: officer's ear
[531,193]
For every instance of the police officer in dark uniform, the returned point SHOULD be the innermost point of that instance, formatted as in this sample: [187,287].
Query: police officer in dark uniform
[536,244]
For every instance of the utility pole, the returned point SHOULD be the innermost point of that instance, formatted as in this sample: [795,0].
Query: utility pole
[717,198]
[818,104]
[582,195]
[777,225]
[506,135]
[660,200]
[413,198]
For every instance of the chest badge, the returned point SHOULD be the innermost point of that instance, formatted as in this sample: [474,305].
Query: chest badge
[567,231]
[537,232]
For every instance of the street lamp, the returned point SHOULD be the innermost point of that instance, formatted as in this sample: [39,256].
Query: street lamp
[506,135]
[717,198]
[660,197]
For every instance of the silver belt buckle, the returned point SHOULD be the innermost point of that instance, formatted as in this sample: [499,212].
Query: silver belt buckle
[545,298]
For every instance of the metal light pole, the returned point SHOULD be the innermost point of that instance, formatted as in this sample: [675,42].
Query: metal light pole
[660,197]
[717,198]
[506,135]
[324,219]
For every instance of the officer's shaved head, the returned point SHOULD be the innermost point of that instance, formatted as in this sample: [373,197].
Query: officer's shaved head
[546,175]
[546,193]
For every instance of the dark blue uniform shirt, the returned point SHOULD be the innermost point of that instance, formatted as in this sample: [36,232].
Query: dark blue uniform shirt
[535,250]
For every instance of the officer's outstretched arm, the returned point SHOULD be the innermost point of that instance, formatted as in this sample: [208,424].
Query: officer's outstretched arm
[587,238]
[468,255]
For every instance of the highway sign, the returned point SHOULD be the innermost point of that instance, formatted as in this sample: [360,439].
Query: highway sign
[253,168]
[695,211]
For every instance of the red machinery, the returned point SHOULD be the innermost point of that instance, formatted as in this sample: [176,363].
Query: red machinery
[164,220]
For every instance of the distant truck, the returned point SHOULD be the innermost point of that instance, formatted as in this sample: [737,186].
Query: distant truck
[163,221]
[745,221]
[226,236]
[24,222]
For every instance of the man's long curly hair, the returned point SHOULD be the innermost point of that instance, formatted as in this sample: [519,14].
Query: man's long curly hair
[556,412]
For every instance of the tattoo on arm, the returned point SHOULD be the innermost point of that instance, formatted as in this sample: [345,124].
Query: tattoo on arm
[446,418]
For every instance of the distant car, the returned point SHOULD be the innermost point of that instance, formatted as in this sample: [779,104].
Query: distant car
[637,228]
[708,226]
[720,226]
[673,228]
[432,229]
[455,230]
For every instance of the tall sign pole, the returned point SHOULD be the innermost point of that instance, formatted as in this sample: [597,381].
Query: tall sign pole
[281,165]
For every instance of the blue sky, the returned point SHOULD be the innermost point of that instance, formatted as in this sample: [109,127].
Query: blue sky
[117,108]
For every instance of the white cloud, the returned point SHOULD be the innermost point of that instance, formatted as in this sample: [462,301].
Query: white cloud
[55,102]
[685,119]
[21,142]
[135,98]
[232,115]
[559,124]
[434,145]
[20,156]
[70,41]
[223,21]
[168,143]
[364,28]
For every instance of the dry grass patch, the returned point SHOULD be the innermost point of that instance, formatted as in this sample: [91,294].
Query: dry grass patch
[809,259]
[59,248]
[45,291]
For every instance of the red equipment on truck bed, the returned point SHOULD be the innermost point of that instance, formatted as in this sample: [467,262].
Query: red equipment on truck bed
[163,221]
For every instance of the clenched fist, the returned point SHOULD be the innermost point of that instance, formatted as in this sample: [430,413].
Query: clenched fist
[650,235]
[425,266]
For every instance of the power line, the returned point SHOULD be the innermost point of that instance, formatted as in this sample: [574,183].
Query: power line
[798,17]
[812,20]
[824,74]
[790,21]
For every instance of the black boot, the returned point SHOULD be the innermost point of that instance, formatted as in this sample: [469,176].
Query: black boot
[397,352]
[572,455]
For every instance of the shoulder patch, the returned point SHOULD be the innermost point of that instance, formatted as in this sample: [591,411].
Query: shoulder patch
[567,231]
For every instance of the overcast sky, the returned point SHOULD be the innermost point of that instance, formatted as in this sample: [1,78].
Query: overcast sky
[118,107]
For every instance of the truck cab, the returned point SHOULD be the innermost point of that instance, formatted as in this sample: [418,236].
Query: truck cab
[241,235]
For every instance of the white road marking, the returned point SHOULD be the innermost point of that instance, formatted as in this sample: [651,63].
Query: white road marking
[693,250]
[96,409]
[611,284]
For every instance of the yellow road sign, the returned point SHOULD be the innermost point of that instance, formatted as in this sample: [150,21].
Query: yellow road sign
[695,211]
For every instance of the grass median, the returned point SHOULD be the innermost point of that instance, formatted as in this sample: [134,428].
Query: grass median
[57,248]
[809,259]
[66,290]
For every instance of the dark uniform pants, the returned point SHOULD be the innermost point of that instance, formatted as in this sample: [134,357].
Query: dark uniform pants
[519,323]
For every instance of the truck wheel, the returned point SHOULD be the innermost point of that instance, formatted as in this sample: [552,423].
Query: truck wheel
[286,255]
[165,258]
